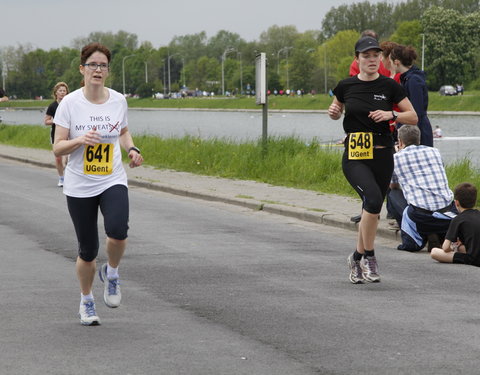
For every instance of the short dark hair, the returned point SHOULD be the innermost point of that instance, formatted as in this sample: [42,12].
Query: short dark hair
[91,48]
[466,195]
[409,135]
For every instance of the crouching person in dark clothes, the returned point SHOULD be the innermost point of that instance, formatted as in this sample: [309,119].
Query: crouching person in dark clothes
[420,173]
[462,242]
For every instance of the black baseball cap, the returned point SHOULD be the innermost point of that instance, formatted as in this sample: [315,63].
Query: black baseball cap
[366,43]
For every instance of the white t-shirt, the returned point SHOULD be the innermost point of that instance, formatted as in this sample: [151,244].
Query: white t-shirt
[90,171]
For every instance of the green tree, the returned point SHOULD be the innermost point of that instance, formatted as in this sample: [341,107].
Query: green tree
[338,53]
[359,17]
[303,61]
[221,41]
[121,38]
[191,47]
[451,45]
[276,38]
[413,9]
[409,33]
[205,73]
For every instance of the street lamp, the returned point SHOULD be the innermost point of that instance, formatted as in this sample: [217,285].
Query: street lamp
[286,49]
[164,80]
[325,63]
[123,71]
[4,74]
[169,82]
[183,72]
[224,55]
[239,54]
[423,51]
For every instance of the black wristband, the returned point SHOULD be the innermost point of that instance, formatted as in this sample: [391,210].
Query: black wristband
[134,149]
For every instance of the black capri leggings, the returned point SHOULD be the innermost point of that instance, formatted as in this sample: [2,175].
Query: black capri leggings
[113,204]
[370,178]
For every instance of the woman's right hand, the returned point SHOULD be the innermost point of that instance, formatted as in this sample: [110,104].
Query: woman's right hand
[334,111]
[91,138]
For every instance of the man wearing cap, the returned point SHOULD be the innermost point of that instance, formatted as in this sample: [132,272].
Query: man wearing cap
[368,99]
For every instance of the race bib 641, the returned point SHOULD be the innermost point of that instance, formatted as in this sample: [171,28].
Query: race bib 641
[98,159]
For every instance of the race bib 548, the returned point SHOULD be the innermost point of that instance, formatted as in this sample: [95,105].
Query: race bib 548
[360,146]
[98,159]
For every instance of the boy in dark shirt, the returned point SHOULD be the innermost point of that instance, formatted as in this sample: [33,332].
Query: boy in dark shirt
[462,241]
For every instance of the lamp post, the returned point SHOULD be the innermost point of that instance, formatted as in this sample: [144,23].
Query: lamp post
[239,54]
[146,66]
[183,72]
[423,51]
[224,55]
[123,71]
[164,80]
[168,63]
[4,74]
[286,49]
[325,63]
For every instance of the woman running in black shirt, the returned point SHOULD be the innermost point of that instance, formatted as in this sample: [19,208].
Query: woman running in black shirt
[368,99]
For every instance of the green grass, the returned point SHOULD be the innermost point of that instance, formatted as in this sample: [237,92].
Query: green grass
[288,161]
[468,102]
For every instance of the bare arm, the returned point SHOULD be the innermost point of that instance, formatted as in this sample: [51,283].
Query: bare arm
[65,146]
[336,109]
[407,116]
[446,246]
[48,120]
[126,142]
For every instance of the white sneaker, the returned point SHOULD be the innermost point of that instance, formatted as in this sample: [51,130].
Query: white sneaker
[60,182]
[356,274]
[111,291]
[370,269]
[87,314]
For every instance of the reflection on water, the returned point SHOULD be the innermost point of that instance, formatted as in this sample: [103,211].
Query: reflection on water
[461,133]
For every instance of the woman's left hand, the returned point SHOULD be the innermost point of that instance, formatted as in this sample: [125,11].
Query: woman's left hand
[137,159]
[379,115]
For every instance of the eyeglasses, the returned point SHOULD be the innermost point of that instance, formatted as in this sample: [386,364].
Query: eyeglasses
[95,66]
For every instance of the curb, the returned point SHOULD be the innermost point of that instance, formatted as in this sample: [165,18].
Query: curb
[325,218]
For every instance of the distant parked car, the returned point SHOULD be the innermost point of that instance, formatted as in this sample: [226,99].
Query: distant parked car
[448,90]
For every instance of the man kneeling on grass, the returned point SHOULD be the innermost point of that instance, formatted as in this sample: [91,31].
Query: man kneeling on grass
[462,241]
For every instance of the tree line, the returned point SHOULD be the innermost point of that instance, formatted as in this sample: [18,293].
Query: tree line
[444,32]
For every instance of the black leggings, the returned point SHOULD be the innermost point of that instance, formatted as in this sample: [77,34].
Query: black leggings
[370,178]
[113,204]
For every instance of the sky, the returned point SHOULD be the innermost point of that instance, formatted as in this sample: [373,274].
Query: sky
[48,24]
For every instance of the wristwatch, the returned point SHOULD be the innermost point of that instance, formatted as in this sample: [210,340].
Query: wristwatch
[394,118]
[134,149]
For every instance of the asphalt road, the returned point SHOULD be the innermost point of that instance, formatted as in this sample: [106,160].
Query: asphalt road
[215,289]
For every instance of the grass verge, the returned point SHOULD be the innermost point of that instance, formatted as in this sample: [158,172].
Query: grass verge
[287,162]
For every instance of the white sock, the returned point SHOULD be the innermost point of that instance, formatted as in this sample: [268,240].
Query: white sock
[112,273]
[86,297]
